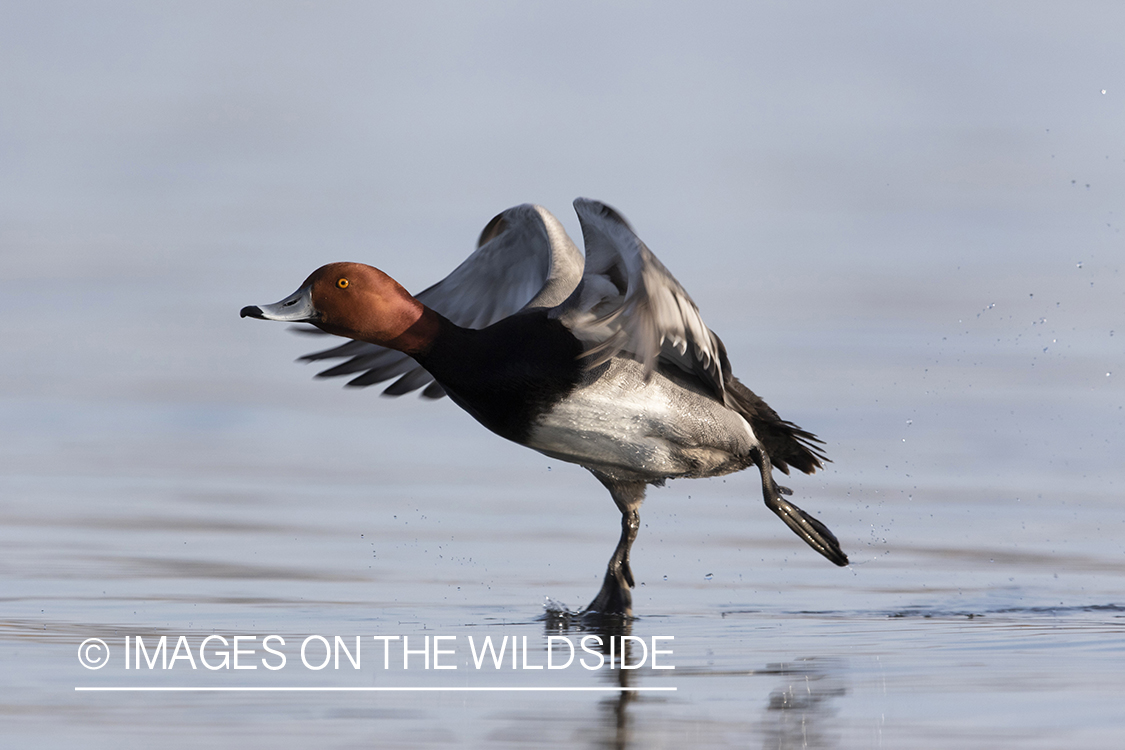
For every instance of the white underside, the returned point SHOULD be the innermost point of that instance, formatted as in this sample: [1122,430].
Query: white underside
[631,430]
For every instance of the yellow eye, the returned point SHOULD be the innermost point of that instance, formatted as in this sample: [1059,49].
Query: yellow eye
[342,283]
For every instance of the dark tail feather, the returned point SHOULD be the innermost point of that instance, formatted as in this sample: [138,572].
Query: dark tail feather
[787,444]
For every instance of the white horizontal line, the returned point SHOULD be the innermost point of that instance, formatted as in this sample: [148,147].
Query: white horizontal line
[376,689]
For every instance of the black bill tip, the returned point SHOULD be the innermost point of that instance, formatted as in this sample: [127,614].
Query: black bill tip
[252,311]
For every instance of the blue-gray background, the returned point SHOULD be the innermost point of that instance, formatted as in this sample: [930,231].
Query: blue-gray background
[903,220]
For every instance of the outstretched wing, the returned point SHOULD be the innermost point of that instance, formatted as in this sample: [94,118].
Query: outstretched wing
[628,303]
[524,259]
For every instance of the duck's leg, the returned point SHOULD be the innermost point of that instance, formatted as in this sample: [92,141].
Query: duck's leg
[815,534]
[615,597]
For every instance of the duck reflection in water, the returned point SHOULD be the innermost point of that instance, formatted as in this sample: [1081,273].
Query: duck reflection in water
[614,729]
[602,361]
[797,714]
[800,708]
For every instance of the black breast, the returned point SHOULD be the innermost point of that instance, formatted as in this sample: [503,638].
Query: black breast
[508,374]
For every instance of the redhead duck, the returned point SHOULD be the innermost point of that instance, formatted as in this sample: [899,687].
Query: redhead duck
[603,362]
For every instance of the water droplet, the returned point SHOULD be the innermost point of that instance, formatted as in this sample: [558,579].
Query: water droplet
[1079,264]
[665,578]
[709,576]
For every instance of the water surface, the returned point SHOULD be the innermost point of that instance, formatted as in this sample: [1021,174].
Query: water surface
[904,224]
